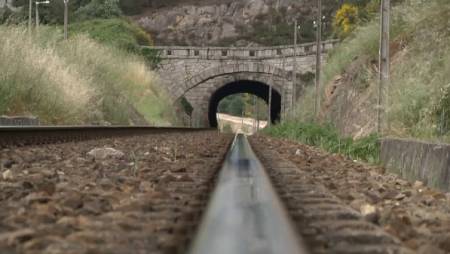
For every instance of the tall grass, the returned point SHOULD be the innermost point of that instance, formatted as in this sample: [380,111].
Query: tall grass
[35,80]
[75,82]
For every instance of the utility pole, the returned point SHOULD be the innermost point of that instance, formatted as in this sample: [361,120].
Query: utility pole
[257,114]
[66,18]
[269,116]
[383,61]
[254,114]
[284,85]
[37,15]
[294,70]
[30,10]
[318,58]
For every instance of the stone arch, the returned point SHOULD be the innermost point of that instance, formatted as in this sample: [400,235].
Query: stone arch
[201,95]
[254,69]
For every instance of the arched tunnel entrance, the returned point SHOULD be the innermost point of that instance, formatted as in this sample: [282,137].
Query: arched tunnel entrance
[244,86]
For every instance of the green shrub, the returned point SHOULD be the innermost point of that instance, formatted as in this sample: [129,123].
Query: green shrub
[327,138]
[116,32]
[99,9]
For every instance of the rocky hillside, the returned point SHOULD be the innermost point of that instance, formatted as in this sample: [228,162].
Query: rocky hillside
[229,22]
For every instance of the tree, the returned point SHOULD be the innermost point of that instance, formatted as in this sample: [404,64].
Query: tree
[236,106]
[102,9]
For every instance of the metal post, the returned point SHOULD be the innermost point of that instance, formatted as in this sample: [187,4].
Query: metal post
[254,114]
[37,15]
[383,61]
[242,121]
[294,70]
[318,59]
[257,115]
[30,10]
[284,85]
[269,117]
[66,18]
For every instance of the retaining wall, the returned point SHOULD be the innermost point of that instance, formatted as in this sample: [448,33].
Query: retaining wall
[18,121]
[416,160]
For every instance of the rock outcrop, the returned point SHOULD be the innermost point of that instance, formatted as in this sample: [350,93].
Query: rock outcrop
[9,4]
[214,22]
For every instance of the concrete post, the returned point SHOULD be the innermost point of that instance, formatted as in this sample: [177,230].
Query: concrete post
[37,15]
[294,70]
[383,63]
[66,18]
[318,59]
[30,10]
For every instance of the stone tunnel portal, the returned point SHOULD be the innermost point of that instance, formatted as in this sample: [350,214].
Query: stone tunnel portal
[244,86]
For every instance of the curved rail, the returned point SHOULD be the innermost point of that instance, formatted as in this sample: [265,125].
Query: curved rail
[245,215]
[21,136]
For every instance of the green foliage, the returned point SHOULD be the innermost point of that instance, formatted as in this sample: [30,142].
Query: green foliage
[243,104]
[236,106]
[420,45]
[152,56]
[99,9]
[327,138]
[116,32]
[186,106]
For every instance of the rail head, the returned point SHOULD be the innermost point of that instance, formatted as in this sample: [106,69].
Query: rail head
[245,216]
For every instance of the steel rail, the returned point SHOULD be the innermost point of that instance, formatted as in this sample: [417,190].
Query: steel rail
[22,136]
[244,215]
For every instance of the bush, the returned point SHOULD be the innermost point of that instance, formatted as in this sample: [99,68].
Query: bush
[99,9]
[346,20]
[117,32]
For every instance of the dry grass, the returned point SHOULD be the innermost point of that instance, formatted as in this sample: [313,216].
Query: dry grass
[73,82]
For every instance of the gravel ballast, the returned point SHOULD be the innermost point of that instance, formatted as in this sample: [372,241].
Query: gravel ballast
[417,215]
[142,194]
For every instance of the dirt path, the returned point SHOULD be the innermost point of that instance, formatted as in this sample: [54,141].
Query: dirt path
[417,215]
[59,199]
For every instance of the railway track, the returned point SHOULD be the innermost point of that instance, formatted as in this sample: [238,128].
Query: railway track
[177,191]
[21,136]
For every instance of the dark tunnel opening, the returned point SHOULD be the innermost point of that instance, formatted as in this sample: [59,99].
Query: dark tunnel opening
[244,86]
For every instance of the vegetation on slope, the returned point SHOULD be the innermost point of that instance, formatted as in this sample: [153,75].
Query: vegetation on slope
[101,75]
[328,138]
[116,32]
[418,101]
[75,82]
